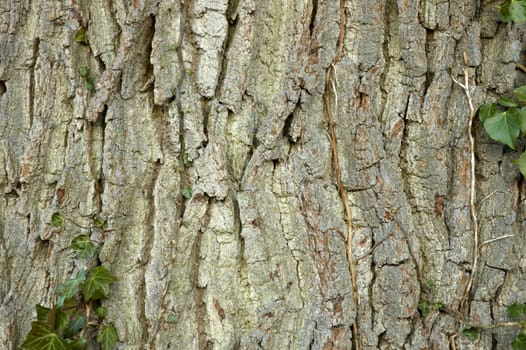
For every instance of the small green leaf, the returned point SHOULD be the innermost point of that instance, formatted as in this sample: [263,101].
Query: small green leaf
[521,163]
[186,193]
[78,344]
[516,310]
[107,337]
[522,119]
[42,313]
[487,110]
[84,247]
[42,338]
[57,221]
[186,161]
[102,311]
[520,93]
[504,11]
[80,36]
[62,320]
[90,84]
[70,288]
[75,326]
[97,286]
[506,102]
[423,306]
[517,11]
[504,127]
[171,318]
[84,72]
[471,333]
[520,342]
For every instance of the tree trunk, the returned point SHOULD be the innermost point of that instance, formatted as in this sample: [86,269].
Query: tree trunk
[207,144]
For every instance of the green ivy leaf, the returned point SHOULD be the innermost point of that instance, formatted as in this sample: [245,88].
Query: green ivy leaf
[42,338]
[78,344]
[57,221]
[521,163]
[171,318]
[42,313]
[84,247]
[101,311]
[80,36]
[520,93]
[61,320]
[516,310]
[506,102]
[186,193]
[424,308]
[517,11]
[487,110]
[70,288]
[519,343]
[97,286]
[504,11]
[84,72]
[107,337]
[90,84]
[522,119]
[75,326]
[471,333]
[504,127]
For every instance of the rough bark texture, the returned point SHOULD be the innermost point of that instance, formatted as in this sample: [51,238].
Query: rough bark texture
[226,98]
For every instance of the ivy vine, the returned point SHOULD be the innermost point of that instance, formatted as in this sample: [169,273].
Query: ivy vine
[77,317]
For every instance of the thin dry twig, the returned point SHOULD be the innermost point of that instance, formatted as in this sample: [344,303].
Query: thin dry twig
[330,89]
[495,239]
[521,67]
[473,209]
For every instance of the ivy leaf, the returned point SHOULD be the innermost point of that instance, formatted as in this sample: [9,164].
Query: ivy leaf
[75,326]
[186,193]
[504,127]
[57,221]
[522,119]
[80,36]
[42,313]
[70,288]
[42,338]
[506,102]
[520,93]
[517,11]
[471,333]
[107,337]
[504,11]
[61,320]
[97,286]
[84,72]
[487,110]
[84,247]
[519,343]
[101,311]
[521,163]
[516,310]
[78,344]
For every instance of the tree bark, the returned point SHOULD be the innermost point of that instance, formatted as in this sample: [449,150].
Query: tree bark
[229,99]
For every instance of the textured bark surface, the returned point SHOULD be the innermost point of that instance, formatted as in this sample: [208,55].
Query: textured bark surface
[226,98]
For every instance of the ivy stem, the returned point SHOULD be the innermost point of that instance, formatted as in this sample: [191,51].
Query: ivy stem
[472,206]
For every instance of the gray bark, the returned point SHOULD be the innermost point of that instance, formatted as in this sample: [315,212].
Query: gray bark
[226,98]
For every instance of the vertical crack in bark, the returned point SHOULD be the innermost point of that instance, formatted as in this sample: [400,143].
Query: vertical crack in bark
[36,53]
[329,85]
[148,244]
[182,74]
[199,292]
